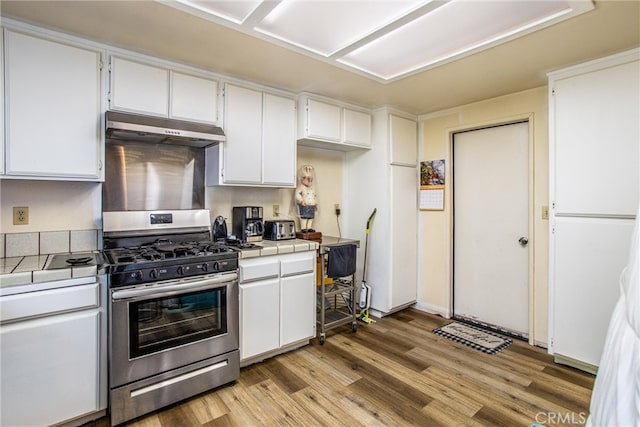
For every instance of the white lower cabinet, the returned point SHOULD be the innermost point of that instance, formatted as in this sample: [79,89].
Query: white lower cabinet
[52,366]
[259,317]
[297,314]
[277,305]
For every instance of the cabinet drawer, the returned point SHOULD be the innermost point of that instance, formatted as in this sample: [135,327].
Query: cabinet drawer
[260,268]
[36,304]
[299,263]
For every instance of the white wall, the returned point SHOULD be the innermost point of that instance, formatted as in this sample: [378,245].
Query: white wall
[53,205]
[329,171]
[435,247]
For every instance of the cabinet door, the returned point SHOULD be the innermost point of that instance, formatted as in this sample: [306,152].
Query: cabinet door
[49,369]
[279,140]
[243,128]
[404,205]
[194,98]
[596,120]
[139,88]
[259,317]
[323,121]
[403,140]
[297,308]
[589,255]
[357,127]
[53,108]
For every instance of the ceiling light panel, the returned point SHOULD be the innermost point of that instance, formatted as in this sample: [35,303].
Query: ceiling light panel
[325,27]
[231,10]
[457,28]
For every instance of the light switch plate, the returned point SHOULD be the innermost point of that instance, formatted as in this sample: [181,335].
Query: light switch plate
[545,212]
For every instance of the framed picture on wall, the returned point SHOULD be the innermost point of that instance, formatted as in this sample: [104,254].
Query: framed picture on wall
[432,181]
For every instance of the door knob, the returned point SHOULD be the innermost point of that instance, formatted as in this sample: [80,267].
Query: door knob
[523,241]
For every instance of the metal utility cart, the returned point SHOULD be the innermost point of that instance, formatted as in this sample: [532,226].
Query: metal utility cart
[336,294]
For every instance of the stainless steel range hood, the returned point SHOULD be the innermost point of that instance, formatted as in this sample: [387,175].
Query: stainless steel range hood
[139,128]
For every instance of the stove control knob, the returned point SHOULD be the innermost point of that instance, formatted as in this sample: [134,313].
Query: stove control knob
[216,266]
[153,274]
[138,275]
[180,270]
[205,267]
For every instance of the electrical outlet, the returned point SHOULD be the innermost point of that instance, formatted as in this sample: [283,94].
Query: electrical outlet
[276,210]
[337,208]
[20,215]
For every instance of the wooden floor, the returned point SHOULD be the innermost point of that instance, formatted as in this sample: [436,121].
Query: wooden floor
[395,372]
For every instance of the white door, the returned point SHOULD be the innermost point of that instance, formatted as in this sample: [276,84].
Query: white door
[491,225]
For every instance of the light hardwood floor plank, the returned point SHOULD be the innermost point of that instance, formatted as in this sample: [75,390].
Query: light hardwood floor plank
[395,372]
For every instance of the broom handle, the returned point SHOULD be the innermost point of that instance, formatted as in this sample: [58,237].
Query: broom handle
[366,243]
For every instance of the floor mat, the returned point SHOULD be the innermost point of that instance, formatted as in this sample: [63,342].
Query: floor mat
[473,337]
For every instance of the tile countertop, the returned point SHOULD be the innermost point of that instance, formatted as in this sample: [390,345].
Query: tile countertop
[278,247]
[22,271]
[26,270]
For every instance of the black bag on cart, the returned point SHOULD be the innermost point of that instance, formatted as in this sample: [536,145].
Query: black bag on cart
[341,261]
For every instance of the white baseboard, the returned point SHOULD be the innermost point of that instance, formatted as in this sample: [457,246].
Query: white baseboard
[433,309]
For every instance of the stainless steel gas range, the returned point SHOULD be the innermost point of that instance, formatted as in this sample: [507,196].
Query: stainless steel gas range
[173,309]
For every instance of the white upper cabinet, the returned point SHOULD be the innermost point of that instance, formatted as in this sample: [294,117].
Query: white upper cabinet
[595,120]
[356,127]
[53,108]
[278,140]
[323,123]
[243,128]
[193,98]
[150,89]
[139,88]
[260,145]
[404,141]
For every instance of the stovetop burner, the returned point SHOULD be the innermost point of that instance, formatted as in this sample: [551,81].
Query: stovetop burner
[161,251]
[165,259]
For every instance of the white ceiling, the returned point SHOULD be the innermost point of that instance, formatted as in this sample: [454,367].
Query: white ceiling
[153,28]
[385,40]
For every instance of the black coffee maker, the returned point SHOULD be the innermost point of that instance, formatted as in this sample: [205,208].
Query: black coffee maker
[247,223]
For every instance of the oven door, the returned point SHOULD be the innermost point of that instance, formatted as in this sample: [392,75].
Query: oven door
[167,325]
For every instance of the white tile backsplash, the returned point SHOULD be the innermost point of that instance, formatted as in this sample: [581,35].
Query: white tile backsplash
[84,240]
[22,244]
[54,242]
[49,242]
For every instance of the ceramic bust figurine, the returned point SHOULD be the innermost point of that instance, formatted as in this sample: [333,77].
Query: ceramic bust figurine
[306,197]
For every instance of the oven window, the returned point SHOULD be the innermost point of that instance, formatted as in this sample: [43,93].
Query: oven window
[163,323]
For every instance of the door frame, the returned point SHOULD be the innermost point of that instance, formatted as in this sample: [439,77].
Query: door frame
[529,117]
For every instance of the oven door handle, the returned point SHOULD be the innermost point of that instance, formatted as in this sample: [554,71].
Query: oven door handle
[172,289]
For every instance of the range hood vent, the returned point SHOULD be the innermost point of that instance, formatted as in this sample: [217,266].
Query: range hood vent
[139,128]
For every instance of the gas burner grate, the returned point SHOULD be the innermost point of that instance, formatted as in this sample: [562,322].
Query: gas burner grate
[168,252]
